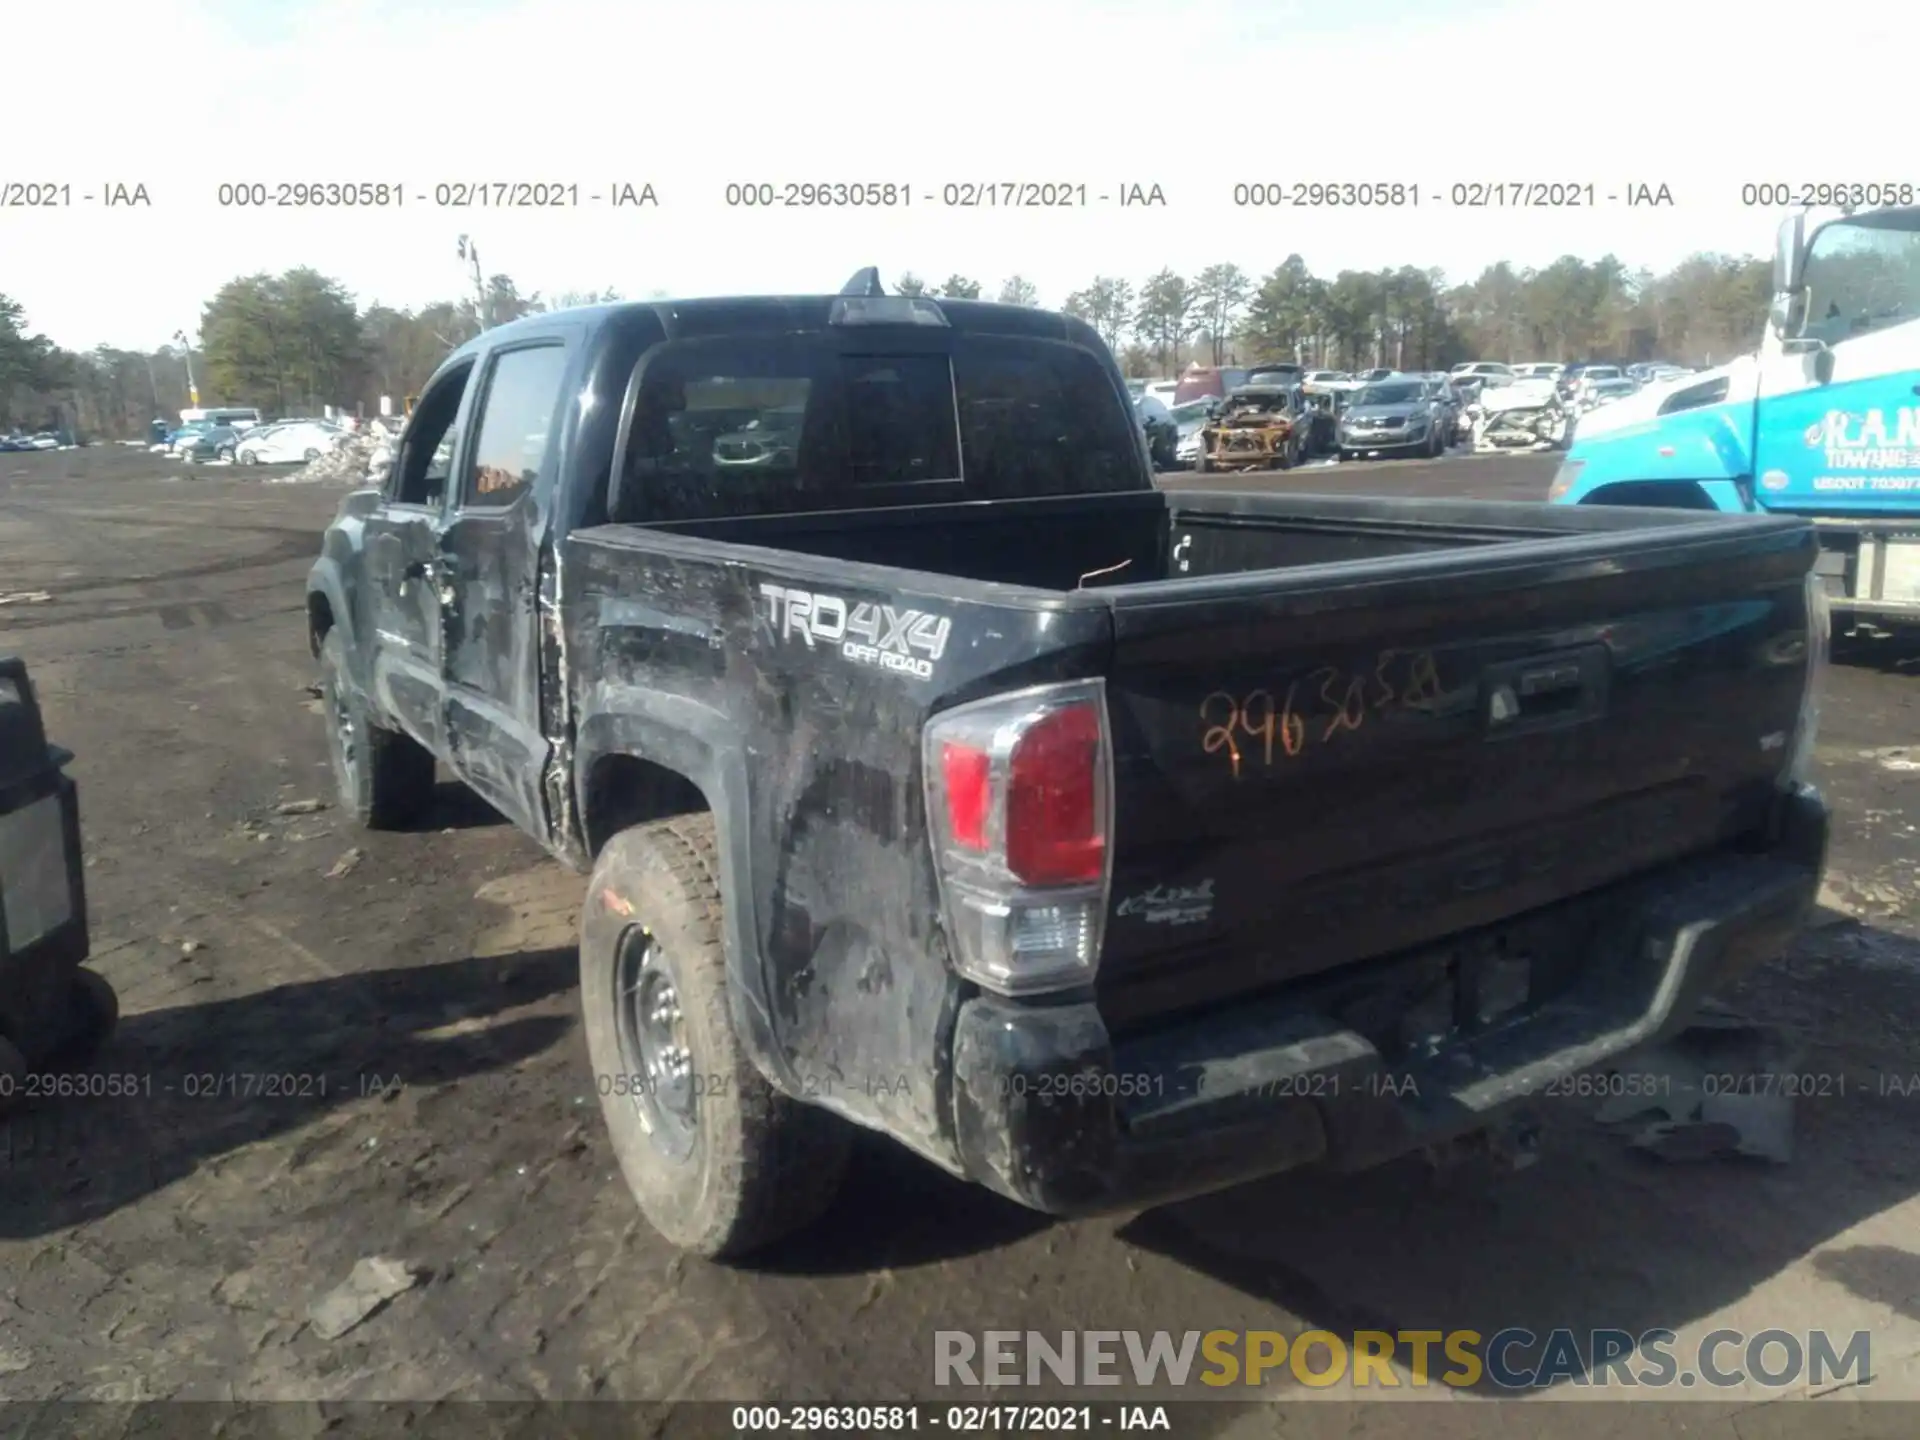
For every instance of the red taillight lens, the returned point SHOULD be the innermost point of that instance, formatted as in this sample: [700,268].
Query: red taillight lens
[1055,832]
[966,775]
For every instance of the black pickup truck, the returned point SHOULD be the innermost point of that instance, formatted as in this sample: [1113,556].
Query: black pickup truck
[937,773]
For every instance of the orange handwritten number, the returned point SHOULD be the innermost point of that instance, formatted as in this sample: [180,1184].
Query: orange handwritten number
[1423,681]
[1219,737]
[1384,696]
[1293,730]
[1261,728]
[1349,709]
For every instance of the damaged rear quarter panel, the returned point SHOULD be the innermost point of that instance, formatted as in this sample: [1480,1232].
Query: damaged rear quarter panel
[758,674]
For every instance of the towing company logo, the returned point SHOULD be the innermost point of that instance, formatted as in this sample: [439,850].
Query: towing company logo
[905,641]
[1868,441]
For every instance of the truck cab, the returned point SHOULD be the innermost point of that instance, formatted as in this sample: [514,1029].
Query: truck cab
[1822,421]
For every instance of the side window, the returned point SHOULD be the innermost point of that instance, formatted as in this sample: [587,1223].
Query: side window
[1712,392]
[426,447]
[516,413]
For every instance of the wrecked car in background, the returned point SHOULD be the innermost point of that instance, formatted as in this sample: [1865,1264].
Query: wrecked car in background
[1258,427]
[54,1012]
[1526,415]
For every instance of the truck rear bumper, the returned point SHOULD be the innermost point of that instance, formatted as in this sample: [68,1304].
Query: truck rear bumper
[1054,1113]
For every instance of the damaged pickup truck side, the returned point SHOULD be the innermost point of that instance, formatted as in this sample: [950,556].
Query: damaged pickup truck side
[938,774]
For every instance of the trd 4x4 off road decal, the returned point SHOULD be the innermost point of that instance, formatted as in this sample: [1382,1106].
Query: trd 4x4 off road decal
[865,633]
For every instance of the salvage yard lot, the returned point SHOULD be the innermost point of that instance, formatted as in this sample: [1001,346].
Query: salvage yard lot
[343,1045]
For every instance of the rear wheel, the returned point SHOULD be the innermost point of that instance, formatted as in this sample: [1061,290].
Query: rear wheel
[721,1163]
[249,457]
[92,1017]
[225,452]
[384,778]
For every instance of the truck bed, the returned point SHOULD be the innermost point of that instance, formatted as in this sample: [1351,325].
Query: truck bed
[1344,727]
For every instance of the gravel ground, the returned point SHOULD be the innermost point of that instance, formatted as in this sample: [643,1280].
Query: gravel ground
[417,989]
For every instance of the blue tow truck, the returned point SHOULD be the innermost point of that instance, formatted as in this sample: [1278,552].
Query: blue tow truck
[1823,420]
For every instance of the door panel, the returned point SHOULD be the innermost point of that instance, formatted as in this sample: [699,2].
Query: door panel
[1850,444]
[404,591]
[403,621]
[490,563]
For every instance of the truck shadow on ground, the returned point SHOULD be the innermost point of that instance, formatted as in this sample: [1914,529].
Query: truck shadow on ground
[208,1079]
[1599,1235]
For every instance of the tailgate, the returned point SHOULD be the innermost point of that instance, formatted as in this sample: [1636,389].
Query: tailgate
[1322,764]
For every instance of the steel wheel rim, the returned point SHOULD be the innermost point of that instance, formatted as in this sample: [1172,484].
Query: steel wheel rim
[654,1053]
[344,735]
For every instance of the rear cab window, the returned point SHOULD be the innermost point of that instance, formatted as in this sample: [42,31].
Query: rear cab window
[758,425]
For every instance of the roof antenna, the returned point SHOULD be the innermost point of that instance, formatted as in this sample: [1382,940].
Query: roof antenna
[864,282]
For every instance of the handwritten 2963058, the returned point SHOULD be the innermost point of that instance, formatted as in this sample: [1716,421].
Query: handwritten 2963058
[1316,708]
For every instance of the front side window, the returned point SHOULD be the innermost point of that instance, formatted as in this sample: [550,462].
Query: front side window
[426,448]
[1862,275]
[516,413]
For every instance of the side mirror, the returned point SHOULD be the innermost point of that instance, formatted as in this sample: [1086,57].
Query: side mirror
[1784,314]
[1789,254]
[1823,365]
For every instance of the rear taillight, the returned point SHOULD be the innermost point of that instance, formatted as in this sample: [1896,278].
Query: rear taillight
[1019,803]
[1806,729]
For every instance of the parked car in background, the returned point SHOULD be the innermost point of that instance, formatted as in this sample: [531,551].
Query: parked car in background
[1483,371]
[1276,373]
[1199,383]
[1163,434]
[1189,420]
[1537,370]
[290,442]
[178,440]
[1448,409]
[1327,377]
[239,417]
[217,442]
[1393,416]
[1370,377]
[1163,391]
[1570,376]
[1604,391]
[1591,376]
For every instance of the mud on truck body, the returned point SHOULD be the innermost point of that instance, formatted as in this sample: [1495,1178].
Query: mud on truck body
[1101,844]
[1821,422]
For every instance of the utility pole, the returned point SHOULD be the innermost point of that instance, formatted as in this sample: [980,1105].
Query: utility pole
[481,309]
[193,390]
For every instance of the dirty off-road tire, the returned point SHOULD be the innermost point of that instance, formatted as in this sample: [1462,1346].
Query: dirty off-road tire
[724,1165]
[94,1013]
[385,779]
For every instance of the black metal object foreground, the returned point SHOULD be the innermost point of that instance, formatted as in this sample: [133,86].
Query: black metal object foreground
[52,1009]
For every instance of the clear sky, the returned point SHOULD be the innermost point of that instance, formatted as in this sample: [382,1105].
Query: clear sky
[1191,95]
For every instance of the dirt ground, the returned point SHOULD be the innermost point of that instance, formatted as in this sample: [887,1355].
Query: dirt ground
[417,991]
